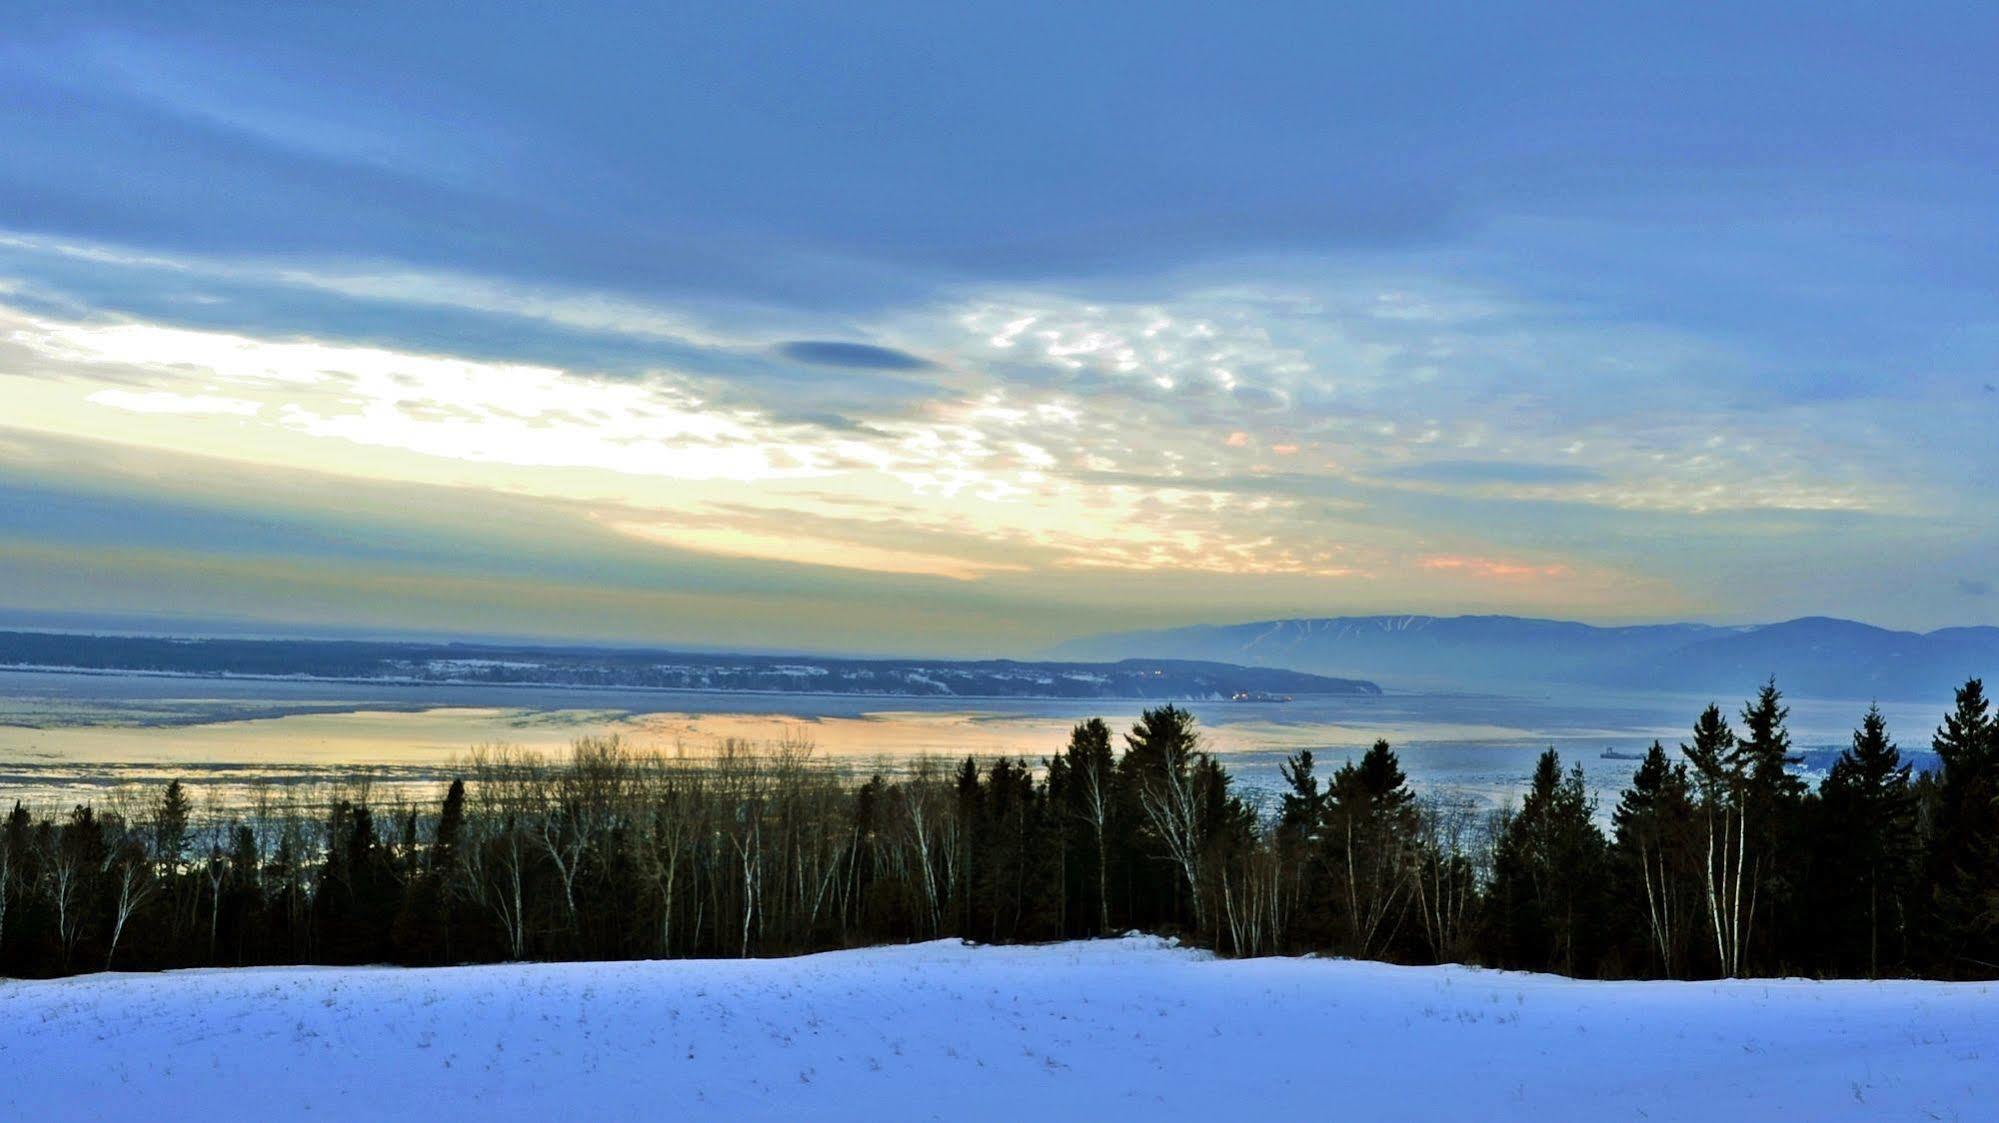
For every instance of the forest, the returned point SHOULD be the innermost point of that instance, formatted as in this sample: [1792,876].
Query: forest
[1717,862]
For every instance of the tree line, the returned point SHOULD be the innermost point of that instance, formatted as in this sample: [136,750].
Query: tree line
[1722,862]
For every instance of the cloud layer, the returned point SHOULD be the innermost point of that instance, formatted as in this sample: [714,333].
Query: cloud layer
[851,327]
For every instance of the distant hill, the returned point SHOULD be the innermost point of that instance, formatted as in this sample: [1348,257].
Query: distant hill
[490,665]
[1814,656]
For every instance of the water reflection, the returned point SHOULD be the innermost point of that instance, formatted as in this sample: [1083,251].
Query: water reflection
[63,736]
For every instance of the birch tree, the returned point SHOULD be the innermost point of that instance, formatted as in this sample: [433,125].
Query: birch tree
[1654,822]
[1722,778]
[1092,771]
[1370,824]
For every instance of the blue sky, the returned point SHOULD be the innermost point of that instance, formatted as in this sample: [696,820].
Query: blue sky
[965,328]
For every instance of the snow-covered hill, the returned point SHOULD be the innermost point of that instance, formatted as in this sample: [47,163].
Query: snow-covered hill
[1132,1030]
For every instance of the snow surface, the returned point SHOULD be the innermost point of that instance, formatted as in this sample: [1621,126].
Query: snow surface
[1127,1031]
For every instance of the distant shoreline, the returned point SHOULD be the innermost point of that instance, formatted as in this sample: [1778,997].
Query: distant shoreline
[602,688]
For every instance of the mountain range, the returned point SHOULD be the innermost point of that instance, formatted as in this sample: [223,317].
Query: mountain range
[1812,657]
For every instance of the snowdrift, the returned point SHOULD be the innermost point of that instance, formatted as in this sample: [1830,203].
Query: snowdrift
[1129,1030]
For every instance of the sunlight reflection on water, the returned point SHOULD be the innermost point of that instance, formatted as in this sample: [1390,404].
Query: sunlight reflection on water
[63,737]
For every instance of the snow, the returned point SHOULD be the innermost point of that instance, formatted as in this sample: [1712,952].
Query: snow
[1131,1030]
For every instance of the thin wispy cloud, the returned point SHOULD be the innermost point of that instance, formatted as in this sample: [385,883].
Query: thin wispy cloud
[848,315]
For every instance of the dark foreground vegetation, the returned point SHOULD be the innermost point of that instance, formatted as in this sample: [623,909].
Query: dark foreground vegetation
[1721,864]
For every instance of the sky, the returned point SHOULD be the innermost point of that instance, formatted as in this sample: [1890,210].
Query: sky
[965,329]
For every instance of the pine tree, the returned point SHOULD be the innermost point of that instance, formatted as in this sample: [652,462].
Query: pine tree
[1549,872]
[1093,800]
[1370,848]
[422,930]
[172,845]
[1775,822]
[13,867]
[1159,769]
[1655,832]
[244,904]
[970,865]
[1301,847]
[1765,745]
[170,827]
[1964,852]
[1719,771]
[1303,804]
[1869,812]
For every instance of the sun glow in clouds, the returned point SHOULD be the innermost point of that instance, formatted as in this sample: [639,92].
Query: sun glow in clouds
[161,401]
[988,479]
[1226,434]
[515,414]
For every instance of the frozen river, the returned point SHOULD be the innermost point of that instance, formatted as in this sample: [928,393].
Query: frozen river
[63,736]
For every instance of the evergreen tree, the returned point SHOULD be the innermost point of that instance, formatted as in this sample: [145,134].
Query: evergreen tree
[1656,854]
[1301,848]
[1765,745]
[422,932]
[1548,873]
[1303,804]
[1164,810]
[1370,851]
[1721,776]
[1092,802]
[172,848]
[1964,851]
[1869,836]
[14,859]
[971,819]
[610,855]
[243,902]
[1778,834]
[171,837]
[357,898]
[450,829]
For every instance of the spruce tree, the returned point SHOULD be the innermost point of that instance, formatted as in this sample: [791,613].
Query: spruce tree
[1869,814]
[1549,872]
[1300,842]
[1371,856]
[170,826]
[1765,744]
[1777,837]
[1160,804]
[1302,804]
[1092,801]
[1657,858]
[1964,852]
[1722,777]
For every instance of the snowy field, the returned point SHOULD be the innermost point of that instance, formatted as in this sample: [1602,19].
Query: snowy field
[1129,1030]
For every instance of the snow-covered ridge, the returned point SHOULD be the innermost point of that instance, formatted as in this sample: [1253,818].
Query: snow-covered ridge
[1131,1029]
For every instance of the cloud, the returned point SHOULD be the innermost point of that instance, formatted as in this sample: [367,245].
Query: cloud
[316,109]
[1491,471]
[1260,398]
[161,401]
[1318,436]
[854,356]
[1972,587]
[1493,569]
[791,546]
[516,414]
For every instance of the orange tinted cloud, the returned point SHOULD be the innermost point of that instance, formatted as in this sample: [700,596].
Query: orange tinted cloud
[1493,569]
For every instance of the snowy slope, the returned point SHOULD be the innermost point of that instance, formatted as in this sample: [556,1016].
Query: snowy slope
[1130,1030]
